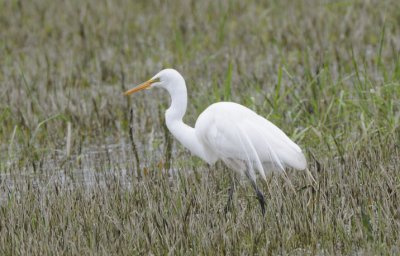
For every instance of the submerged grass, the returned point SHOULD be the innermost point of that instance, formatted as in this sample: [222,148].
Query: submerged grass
[85,170]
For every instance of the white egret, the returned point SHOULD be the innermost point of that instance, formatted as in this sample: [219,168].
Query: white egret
[227,131]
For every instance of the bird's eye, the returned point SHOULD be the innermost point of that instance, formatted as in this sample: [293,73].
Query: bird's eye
[156,80]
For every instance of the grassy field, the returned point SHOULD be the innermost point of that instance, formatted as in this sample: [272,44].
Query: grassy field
[87,171]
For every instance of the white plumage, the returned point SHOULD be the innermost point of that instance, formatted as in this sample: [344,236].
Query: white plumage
[243,140]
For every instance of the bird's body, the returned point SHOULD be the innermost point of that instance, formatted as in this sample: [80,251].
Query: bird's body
[245,141]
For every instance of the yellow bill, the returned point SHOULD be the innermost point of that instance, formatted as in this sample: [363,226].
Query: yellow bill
[140,87]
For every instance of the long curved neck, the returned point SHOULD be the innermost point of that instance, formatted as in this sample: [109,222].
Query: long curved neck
[178,106]
[173,116]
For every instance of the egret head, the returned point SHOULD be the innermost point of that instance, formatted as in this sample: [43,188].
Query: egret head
[168,79]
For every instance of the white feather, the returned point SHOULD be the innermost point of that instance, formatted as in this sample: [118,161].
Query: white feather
[246,141]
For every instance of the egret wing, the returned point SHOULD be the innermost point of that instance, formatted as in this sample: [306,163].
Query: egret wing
[246,141]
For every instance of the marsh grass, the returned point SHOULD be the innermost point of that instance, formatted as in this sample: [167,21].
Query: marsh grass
[85,170]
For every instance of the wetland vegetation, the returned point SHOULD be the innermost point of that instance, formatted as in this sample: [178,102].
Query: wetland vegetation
[85,170]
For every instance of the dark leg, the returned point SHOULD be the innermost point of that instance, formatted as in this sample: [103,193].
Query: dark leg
[261,200]
[260,196]
[230,195]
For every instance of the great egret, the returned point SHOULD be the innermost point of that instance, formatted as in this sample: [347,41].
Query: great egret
[243,140]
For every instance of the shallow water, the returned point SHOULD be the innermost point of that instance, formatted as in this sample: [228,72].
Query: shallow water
[96,167]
